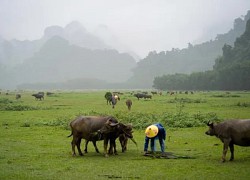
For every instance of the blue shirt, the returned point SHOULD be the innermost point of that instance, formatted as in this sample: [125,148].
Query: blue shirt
[161,136]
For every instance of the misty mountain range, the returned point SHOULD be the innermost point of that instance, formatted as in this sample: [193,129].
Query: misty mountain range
[194,58]
[73,58]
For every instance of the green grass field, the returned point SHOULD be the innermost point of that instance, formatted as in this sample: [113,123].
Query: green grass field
[34,143]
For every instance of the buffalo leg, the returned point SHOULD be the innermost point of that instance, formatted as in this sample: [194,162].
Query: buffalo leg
[96,149]
[231,146]
[111,147]
[225,148]
[105,145]
[78,145]
[125,144]
[115,151]
[86,146]
[73,144]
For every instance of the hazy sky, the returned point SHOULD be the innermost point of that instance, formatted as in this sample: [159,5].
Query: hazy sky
[141,25]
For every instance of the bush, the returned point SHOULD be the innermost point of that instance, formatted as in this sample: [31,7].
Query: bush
[243,104]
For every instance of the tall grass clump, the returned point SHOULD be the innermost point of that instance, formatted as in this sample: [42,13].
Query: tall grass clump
[9,105]
[243,104]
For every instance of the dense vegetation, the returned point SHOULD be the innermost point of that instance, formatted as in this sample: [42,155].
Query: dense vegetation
[230,72]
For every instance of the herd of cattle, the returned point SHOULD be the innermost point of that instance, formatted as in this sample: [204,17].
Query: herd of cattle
[108,129]
[38,96]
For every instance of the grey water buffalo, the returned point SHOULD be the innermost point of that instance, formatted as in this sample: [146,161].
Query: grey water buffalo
[147,96]
[129,104]
[108,97]
[139,95]
[38,96]
[123,141]
[111,132]
[231,132]
[86,127]
[111,98]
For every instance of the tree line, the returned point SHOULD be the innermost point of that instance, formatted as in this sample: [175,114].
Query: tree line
[231,71]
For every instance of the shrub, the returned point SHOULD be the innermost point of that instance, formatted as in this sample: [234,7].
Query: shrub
[243,104]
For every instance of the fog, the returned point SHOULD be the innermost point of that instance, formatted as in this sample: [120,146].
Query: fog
[139,26]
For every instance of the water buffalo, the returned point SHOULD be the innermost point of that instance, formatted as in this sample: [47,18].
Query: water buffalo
[129,104]
[112,132]
[154,92]
[97,137]
[18,96]
[231,132]
[123,141]
[146,96]
[139,95]
[113,101]
[108,97]
[86,127]
[38,96]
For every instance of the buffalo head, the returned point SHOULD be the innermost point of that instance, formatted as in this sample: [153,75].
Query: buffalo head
[210,131]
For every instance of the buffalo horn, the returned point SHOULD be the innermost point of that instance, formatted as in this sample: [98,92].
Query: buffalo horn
[132,139]
[209,123]
[113,124]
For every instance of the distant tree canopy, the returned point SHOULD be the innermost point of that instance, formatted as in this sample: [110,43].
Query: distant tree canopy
[231,71]
[194,58]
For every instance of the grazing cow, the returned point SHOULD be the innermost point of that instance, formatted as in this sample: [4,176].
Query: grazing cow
[49,93]
[18,96]
[146,96]
[108,97]
[86,127]
[38,96]
[231,132]
[154,92]
[129,104]
[139,95]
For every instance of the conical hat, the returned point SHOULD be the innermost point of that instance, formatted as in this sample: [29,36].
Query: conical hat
[151,131]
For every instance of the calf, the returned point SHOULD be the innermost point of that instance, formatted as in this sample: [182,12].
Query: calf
[112,132]
[123,141]
[129,104]
[231,132]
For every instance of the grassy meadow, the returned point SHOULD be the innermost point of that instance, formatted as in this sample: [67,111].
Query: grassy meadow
[34,142]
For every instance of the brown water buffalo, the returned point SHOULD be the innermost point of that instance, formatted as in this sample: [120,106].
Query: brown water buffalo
[129,104]
[86,127]
[231,132]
